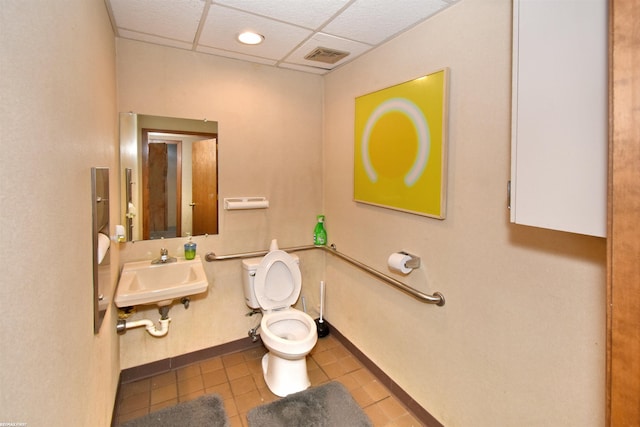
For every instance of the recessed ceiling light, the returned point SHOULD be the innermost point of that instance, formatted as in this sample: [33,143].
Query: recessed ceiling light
[249,37]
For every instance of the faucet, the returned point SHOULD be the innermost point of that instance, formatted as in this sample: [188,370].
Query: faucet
[164,257]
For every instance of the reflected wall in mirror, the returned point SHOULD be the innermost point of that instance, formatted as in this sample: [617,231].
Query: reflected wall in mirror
[170,176]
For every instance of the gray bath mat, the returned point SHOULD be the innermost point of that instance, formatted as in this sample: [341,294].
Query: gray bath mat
[205,411]
[329,405]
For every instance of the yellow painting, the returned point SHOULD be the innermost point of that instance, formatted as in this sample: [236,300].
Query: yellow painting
[400,146]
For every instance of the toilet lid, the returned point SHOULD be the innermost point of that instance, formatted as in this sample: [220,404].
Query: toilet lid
[278,281]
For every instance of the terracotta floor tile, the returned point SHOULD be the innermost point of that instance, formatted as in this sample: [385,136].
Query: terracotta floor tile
[214,378]
[235,421]
[190,385]
[163,379]
[406,420]
[232,359]
[188,372]
[136,387]
[135,402]
[165,404]
[334,370]
[318,376]
[191,396]
[350,363]
[237,371]
[255,366]
[248,400]
[162,394]
[253,354]
[376,390]
[392,408]
[324,358]
[363,376]
[223,390]
[376,415]
[362,397]
[133,415]
[349,382]
[243,385]
[210,365]
[230,406]
[239,380]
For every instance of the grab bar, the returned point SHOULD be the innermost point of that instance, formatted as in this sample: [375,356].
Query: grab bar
[437,298]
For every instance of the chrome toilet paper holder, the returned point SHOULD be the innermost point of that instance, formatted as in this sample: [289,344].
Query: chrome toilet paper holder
[414,262]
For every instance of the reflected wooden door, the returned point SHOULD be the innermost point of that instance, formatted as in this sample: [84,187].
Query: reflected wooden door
[205,186]
[156,188]
[161,188]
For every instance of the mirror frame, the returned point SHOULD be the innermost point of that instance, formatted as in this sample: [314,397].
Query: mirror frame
[132,157]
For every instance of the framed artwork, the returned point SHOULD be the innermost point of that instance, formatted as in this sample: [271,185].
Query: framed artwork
[400,146]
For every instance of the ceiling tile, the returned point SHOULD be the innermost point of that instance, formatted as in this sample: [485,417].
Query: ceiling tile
[308,13]
[313,70]
[235,55]
[224,24]
[176,20]
[373,21]
[125,34]
[292,28]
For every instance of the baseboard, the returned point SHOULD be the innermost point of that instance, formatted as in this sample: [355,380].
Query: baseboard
[165,365]
[158,367]
[418,411]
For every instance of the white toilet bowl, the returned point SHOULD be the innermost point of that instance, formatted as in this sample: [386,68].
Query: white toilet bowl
[273,283]
[289,335]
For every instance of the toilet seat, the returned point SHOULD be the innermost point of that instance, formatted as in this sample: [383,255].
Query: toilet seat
[278,281]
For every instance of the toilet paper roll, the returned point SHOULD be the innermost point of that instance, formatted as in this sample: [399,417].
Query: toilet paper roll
[103,246]
[397,262]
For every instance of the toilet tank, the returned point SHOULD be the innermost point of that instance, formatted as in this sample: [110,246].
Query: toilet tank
[249,267]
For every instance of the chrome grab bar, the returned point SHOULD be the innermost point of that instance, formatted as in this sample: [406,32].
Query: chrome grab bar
[437,298]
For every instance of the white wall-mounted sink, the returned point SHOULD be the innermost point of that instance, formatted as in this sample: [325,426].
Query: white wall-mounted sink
[144,283]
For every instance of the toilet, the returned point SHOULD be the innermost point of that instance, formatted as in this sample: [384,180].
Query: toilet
[273,283]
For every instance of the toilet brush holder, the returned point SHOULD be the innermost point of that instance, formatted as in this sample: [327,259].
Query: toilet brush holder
[321,325]
[323,328]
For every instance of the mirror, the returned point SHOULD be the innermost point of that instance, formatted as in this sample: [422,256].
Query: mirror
[169,170]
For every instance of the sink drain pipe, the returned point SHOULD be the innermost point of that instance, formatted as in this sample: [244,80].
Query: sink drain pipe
[123,325]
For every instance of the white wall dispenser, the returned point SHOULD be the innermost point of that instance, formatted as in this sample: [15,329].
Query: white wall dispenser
[238,203]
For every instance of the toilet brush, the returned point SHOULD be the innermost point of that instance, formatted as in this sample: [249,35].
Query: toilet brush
[323,328]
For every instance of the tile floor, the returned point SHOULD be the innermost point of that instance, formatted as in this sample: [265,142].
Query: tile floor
[237,377]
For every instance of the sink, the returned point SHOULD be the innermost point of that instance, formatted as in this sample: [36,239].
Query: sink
[144,283]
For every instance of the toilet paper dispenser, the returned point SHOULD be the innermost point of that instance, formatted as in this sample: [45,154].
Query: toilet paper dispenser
[403,262]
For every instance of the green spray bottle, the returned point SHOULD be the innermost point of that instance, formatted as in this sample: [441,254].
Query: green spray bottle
[319,233]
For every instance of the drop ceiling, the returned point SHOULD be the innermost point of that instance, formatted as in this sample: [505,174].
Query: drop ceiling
[292,29]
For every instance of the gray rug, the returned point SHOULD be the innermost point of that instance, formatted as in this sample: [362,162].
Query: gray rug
[329,405]
[205,411]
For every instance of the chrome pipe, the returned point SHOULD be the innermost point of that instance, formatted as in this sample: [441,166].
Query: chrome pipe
[437,298]
[210,256]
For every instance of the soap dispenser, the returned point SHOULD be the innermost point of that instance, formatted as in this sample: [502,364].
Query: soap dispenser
[190,249]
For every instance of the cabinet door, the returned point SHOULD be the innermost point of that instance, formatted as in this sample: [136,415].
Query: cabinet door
[559,117]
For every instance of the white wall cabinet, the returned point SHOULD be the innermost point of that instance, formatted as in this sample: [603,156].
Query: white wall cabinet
[560,115]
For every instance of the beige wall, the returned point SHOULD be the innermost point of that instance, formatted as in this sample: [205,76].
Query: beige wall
[58,119]
[521,340]
[270,144]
